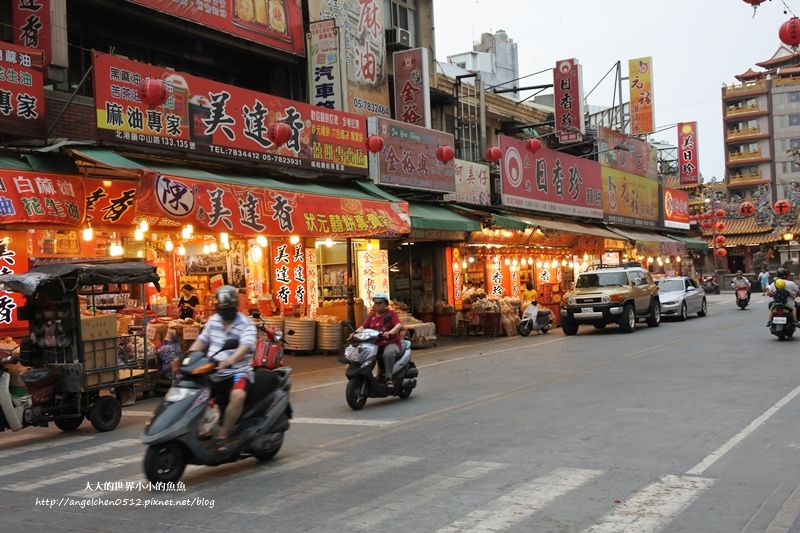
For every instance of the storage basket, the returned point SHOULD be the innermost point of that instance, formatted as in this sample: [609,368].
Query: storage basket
[329,336]
[304,333]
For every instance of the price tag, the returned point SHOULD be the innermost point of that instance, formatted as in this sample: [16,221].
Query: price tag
[151,332]
[190,333]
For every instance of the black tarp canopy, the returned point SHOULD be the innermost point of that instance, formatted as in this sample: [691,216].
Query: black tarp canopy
[69,277]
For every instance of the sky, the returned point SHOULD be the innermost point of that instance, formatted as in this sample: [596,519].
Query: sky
[696,46]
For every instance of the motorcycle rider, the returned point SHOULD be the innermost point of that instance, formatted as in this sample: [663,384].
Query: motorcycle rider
[740,282]
[234,374]
[781,275]
[389,342]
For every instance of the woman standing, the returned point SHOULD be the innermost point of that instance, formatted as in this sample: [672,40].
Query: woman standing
[189,302]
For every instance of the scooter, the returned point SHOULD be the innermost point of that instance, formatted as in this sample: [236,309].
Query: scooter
[709,284]
[178,433]
[361,355]
[269,347]
[535,319]
[742,297]
[782,322]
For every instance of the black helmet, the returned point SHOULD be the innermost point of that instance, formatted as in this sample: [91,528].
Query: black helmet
[782,273]
[227,302]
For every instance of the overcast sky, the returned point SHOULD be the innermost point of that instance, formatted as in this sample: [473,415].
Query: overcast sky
[696,46]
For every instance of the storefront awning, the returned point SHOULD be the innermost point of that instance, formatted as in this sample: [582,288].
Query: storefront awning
[696,244]
[577,228]
[637,235]
[494,220]
[427,216]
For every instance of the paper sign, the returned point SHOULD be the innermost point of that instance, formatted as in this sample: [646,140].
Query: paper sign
[190,333]
[151,332]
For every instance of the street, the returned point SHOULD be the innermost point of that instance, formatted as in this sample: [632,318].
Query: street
[687,427]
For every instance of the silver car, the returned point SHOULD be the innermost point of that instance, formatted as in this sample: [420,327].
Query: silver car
[680,297]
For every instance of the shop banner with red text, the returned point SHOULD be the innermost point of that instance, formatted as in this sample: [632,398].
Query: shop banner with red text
[249,210]
[688,156]
[36,198]
[412,95]
[499,282]
[640,79]
[275,23]
[22,91]
[408,158]
[626,153]
[455,279]
[289,273]
[568,89]
[676,208]
[207,117]
[549,181]
[13,260]
[32,29]
[630,199]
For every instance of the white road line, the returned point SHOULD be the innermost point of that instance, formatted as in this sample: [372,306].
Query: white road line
[523,502]
[414,496]
[61,457]
[310,492]
[75,473]
[653,507]
[42,446]
[131,412]
[706,463]
[343,422]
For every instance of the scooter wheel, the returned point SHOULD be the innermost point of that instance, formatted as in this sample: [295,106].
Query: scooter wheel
[356,393]
[164,462]
[524,329]
[716,290]
[404,393]
[271,449]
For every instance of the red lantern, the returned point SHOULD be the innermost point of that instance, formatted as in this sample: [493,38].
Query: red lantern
[153,91]
[279,133]
[374,144]
[533,145]
[721,252]
[707,216]
[445,153]
[721,240]
[493,154]
[719,226]
[789,33]
[747,209]
[719,213]
[691,218]
[782,207]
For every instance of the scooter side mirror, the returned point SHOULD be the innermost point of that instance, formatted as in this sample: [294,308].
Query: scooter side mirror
[255,314]
[229,344]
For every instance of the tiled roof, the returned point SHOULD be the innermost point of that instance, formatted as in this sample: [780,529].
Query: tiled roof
[738,226]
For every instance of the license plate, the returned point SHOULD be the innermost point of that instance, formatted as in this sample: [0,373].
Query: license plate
[779,320]
[587,309]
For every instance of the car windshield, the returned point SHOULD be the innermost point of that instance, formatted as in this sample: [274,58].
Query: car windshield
[669,285]
[601,279]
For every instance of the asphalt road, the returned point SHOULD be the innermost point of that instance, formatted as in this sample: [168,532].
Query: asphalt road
[687,427]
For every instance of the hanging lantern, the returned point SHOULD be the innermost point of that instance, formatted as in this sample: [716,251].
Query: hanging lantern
[719,226]
[445,153]
[747,209]
[707,216]
[789,33]
[782,207]
[374,144]
[721,240]
[279,133]
[153,91]
[719,213]
[493,154]
[755,4]
[721,252]
[533,145]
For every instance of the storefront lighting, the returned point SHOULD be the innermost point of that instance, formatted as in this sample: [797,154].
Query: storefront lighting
[181,250]
[168,246]
[262,241]
[507,261]
[206,249]
[186,232]
[538,264]
[328,242]
[256,252]
[88,233]
[584,265]
[294,239]
[139,254]
[666,260]
[678,259]
[223,238]
[144,225]
[226,245]
[514,262]
[213,247]
[138,234]
[649,259]
[585,256]
[464,264]
[471,259]
[563,262]
[571,264]
[369,246]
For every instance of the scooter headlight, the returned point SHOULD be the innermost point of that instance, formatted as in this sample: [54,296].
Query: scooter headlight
[176,394]
[278,335]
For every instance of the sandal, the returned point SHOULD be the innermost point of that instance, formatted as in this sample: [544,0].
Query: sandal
[389,384]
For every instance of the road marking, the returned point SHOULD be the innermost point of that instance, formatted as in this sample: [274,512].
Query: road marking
[61,457]
[130,412]
[75,473]
[786,515]
[414,496]
[43,446]
[523,502]
[653,507]
[343,422]
[311,491]
[706,463]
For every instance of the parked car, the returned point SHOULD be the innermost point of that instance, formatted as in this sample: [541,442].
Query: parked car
[681,297]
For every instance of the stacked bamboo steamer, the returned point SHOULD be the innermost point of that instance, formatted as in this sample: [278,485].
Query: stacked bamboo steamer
[304,334]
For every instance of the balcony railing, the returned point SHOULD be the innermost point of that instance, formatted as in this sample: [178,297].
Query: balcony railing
[738,110]
[756,130]
[746,87]
[740,178]
[739,156]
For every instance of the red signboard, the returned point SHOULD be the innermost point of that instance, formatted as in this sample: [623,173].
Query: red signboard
[275,23]
[249,210]
[13,260]
[207,117]
[549,181]
[568,89]
[21,91]
[688,171]
[412,95]
[676,208]
[289,272]
[619,151]
[38,198]
[408,158]
[31,20]
[110,202]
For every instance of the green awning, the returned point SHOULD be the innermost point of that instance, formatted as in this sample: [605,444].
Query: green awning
[13,163]
[427,216]
[696,244]
[507,222]
[106,158]
[53,165]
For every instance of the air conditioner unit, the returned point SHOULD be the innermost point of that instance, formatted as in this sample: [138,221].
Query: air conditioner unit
[398,38]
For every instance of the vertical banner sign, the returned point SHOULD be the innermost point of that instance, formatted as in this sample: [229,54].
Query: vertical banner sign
[455,280]
[13,260]
[374,273]
[312,282]
[31,20]
[289,273]
[22,91]
[688,172]
[367,66]
[412,95]
[568,87]
[325,66]
[499,280]
[640,77]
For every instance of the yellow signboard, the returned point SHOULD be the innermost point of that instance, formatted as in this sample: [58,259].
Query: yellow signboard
[640,78]
[629,199]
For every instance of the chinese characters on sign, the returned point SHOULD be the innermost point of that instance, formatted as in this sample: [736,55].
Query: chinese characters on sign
[549,181]
[626,153]
[21,91]
[472,183]
[312,288]
[688,171]
[289,273]
[630,199]
[568,89]
[13,260]
[31,20]
[325,68]
[207,117]
[36,198]
[374,275]
[110,202]
[412,95]
[676,208]
[640,78]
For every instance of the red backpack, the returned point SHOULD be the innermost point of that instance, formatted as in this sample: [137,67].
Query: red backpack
[268,354]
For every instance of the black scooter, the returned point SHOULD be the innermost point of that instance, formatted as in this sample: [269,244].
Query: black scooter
[710,285]
[782,325]
[177,432]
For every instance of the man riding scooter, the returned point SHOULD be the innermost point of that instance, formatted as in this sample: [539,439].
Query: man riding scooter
[740,282]
[390,339]
[234,374]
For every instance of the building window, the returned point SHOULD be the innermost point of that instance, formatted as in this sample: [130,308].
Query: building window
[402,14]
[793,97]
[794,120]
